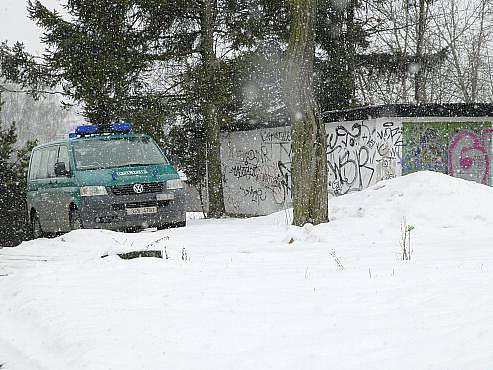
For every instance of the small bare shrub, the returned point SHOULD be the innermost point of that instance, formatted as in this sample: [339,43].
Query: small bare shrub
[336,259]
[406,240]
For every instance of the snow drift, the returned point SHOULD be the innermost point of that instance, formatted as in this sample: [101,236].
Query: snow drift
[258,293]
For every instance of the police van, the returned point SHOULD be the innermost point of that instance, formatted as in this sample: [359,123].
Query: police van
[103,178]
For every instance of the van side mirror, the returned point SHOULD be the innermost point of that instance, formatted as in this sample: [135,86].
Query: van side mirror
[61,170]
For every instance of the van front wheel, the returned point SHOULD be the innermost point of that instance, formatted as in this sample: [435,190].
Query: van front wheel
[171,226]
[74,220]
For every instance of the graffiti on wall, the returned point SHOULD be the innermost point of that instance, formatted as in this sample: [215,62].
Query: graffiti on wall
[256,166]
[469,155]
[360,154]
[425,147]
[460,149]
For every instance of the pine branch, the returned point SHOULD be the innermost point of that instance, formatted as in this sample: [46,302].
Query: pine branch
[3,88]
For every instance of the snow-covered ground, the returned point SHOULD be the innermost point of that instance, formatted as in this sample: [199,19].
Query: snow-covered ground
[261,294]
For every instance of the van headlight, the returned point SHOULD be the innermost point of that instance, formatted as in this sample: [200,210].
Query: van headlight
[89,191]
[174,184]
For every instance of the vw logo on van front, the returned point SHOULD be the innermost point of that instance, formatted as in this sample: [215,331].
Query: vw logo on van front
[138,188]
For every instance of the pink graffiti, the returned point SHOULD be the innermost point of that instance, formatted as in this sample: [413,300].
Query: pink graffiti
[468,157]
[466,163]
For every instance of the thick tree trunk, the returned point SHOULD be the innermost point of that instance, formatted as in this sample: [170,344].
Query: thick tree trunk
[308,140]
[209,111]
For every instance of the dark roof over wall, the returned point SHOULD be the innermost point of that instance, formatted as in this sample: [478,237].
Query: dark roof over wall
[390,110]
[410,110]
[253,125]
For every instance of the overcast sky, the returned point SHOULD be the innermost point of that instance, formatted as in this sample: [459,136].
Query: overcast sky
[16,26]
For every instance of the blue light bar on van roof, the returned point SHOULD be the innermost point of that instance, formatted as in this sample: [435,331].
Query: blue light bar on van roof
[114,128]
[86,130]
[121,127]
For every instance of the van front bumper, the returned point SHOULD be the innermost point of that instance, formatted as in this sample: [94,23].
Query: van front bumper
[120,212]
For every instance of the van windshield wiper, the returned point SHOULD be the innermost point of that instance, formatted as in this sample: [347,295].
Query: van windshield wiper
[133,165]
[123,165]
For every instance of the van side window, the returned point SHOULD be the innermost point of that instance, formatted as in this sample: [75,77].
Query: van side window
[52,158]
[63,157]
[43,165]
[35,161]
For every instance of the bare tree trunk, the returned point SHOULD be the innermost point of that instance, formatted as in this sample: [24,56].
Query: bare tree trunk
[210,112]
[350,51]
[419,87]
[477,47]
[309,162]
[404,93]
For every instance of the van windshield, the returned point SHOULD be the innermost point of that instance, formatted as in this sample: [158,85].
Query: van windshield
[117,152]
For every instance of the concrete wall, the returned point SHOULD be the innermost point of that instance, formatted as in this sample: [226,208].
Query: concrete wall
[361,153]
[256,169]
[256,164]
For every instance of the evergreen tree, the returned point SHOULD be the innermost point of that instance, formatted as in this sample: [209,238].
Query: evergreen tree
[13,168]
[13,161]
[340,38]
[99,56]
[108,55]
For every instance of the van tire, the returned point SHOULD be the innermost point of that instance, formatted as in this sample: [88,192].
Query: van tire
[171,226]
[74,220]
[36,230]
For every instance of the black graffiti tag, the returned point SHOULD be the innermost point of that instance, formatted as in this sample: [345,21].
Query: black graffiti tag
[359,154]
[256,195]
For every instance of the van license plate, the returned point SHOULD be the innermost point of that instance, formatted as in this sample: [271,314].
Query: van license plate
[141,211]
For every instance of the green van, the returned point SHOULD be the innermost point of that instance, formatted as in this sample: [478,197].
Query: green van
[102,178]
